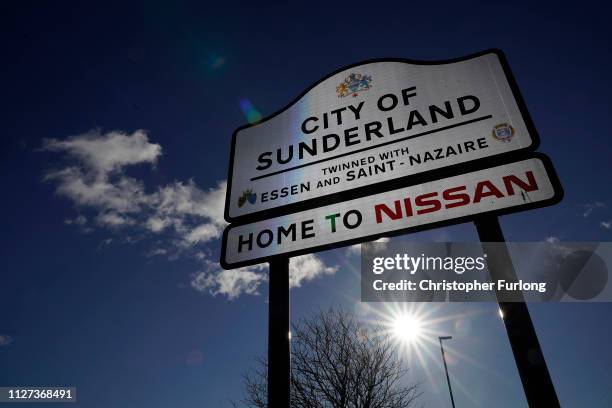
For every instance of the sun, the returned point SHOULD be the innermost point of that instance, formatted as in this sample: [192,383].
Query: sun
[407,328]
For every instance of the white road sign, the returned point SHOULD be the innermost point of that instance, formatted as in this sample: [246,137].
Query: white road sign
[362,129]
[503,189]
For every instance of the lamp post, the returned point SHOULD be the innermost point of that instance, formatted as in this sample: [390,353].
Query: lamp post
[450,390]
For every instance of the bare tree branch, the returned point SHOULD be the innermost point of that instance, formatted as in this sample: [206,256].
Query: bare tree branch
[338,362]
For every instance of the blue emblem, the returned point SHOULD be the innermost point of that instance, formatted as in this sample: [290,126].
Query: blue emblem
[247,196]
[353,84]
[503,132]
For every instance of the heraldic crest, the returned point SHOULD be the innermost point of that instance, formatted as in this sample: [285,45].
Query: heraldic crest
[353,84]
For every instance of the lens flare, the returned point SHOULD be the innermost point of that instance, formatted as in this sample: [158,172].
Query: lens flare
[252,114]
[216,62]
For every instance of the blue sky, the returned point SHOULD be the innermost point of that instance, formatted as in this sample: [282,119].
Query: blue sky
[110,285]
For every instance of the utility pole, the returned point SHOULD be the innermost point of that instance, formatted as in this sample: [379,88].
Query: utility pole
[450,390]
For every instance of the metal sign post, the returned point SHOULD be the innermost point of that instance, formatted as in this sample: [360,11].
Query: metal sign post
[279,348]
[537,384]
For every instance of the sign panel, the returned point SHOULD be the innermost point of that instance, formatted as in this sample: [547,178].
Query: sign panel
[502,189]
[366,127]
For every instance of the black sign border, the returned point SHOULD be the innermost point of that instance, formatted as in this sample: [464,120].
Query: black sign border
[397,182]
[548,166]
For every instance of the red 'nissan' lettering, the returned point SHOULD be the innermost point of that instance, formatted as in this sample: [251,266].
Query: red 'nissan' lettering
[457,196]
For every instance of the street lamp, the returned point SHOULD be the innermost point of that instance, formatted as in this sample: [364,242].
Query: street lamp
[450,390]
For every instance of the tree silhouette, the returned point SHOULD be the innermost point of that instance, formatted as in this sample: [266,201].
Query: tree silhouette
[338,362]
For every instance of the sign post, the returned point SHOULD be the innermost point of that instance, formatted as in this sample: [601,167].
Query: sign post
[537,384]
[279,348]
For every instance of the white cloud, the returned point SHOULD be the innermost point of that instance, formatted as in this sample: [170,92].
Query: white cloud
[113,220]
[157,252]
[202,233]
[187,199]
[354,250]
[104,243]
[590,207]
[363,310]
[183,207]
[97,180]
[183,218]
[552,240]
[307,267]
[125,195]
[381,245]
[78,220]
[156,224]
[231,283]
[108,152]
[5,339]
[606,224]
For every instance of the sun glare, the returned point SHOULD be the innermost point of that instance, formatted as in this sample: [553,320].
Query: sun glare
[415,328]
[407,328]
